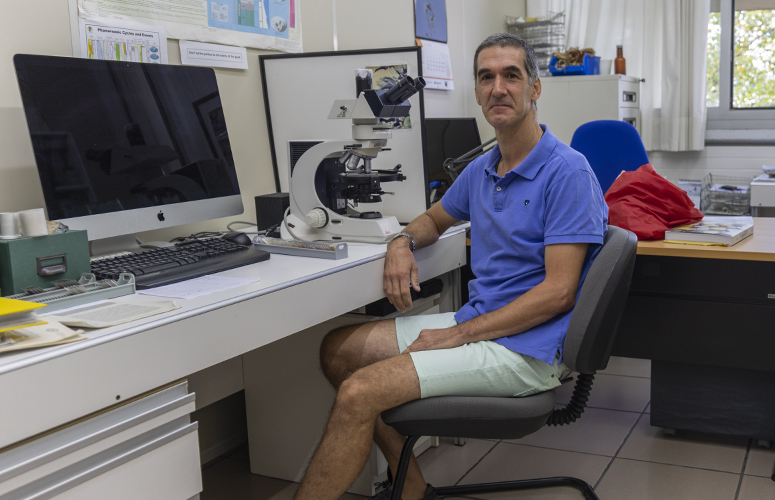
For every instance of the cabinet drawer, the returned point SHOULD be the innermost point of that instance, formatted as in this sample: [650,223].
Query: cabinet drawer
[79,453]
[629,94]
[162,464]
[631,116]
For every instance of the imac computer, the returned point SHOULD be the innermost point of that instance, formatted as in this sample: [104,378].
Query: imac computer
[124,147]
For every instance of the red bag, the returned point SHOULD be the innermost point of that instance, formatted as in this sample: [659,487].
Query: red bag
[648,205]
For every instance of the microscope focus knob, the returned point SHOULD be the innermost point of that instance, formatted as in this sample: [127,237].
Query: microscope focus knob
[317,217]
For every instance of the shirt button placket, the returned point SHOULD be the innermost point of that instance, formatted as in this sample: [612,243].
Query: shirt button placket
[498,198]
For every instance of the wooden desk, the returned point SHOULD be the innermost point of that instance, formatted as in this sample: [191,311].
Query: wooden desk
[758,247]
[705,316]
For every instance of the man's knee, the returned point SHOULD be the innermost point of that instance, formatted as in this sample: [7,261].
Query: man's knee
[330,349]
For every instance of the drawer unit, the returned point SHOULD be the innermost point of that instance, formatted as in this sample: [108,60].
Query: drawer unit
[147,448]
[567,102]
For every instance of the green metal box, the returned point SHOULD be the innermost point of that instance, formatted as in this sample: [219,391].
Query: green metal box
[40,260]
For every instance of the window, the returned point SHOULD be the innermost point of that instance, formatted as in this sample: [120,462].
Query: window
[741,70]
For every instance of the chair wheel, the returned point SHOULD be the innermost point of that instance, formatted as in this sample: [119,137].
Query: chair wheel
[669,431]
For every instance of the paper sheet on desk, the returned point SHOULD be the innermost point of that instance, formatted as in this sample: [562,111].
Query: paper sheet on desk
[110,313]
[198,287]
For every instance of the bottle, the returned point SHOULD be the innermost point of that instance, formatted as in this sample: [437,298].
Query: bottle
[620,66]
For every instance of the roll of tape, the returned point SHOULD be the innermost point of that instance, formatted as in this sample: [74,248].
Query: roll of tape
[33,222]
[9,226]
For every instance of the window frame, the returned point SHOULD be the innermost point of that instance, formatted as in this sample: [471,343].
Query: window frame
[725,123]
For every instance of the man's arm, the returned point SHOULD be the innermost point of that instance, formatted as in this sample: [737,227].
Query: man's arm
[400,265]
[555,295]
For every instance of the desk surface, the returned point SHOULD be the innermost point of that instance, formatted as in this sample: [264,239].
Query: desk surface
[759,247]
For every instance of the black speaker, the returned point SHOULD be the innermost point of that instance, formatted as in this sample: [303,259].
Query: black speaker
[270,209]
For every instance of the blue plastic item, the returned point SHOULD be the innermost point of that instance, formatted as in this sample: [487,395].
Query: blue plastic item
[590,66]
[434,184]
[610,146]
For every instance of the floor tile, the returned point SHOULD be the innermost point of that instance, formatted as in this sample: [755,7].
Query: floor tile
[542,494]
[631,367]
[613,392]
[689,449]
[509,462]
[445,465]
[232,480]
[760,461]
[598,431]
[757,488]
[648,409]
[633,480]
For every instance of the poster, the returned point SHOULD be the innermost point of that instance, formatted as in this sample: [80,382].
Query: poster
[384,77]
[261,24]
[118,41]
[430,20]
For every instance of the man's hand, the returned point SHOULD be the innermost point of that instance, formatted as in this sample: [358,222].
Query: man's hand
[400,274]
[429,340]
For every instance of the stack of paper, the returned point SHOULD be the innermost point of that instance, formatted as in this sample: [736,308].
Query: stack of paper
[18,314]
[52,333]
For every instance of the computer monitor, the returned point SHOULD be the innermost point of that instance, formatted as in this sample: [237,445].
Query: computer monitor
[123,147]
[448,138]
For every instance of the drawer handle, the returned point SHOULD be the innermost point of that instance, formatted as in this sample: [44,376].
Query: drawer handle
[631,121]
[629,97]
[49,269]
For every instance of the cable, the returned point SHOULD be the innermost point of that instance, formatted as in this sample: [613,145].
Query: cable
[228,226]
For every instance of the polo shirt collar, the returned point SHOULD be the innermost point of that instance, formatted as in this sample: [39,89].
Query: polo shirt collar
[535,160]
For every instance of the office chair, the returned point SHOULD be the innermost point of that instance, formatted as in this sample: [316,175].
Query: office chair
[610,146]
[587,347]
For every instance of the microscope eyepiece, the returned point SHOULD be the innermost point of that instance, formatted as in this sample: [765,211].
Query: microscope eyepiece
[402,87]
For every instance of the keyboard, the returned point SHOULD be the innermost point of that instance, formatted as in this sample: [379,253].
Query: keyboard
[186,260]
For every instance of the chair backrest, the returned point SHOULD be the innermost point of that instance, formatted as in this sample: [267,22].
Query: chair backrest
[600,305]
[609,146]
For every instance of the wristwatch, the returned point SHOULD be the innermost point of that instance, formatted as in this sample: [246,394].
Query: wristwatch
[413,247]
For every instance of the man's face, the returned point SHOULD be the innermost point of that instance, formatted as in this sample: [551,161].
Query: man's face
[502,88]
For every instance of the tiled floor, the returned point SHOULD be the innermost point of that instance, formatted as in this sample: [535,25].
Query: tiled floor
[612,447]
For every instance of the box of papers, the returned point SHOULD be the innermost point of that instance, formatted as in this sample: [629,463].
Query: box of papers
[41,260]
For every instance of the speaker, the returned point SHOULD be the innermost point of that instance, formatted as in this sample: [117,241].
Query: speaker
[270,209]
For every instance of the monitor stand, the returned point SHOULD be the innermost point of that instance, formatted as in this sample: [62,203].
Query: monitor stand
[116,244]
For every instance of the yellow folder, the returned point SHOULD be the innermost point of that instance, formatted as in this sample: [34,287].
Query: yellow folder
[18,314]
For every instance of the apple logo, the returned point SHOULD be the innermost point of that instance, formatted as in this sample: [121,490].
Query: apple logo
[160,216]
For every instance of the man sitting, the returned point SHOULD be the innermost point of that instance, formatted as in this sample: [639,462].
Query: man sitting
[538,219]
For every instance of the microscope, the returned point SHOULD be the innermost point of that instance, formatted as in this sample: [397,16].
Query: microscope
[331,179]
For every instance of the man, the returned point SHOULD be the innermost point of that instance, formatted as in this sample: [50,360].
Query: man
[538,219]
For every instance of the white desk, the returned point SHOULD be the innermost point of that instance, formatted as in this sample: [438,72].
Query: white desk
[44,389]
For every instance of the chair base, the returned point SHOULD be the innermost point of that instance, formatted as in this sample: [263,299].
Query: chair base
[526,484]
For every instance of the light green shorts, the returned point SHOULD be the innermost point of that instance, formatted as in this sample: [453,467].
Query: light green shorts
[477,369]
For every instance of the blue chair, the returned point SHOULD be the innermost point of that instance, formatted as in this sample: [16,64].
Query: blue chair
[610,146]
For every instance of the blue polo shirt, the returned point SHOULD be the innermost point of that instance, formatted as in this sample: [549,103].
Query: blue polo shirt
[551,197]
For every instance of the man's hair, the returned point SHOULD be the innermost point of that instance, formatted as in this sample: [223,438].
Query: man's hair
[509,40]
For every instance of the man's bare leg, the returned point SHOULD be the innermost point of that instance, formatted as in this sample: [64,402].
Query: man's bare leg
[346,443]
[342,353]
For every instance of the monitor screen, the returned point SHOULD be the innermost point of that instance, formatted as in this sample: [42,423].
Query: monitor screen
[448,138]
[124,147]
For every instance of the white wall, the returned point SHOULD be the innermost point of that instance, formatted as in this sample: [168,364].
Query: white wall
[738,161]
[360,24]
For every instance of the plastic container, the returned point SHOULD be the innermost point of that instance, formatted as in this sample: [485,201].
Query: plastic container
[590,66]
[726,195]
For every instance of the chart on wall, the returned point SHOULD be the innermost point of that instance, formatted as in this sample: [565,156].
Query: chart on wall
[261,24]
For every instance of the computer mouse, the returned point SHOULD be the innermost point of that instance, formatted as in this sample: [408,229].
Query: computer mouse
[238,238]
